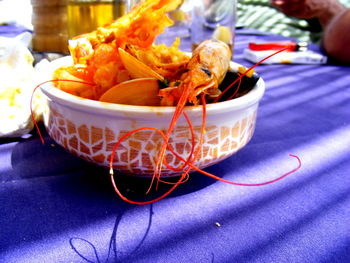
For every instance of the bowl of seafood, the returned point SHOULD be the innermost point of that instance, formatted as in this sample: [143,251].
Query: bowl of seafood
[138,107]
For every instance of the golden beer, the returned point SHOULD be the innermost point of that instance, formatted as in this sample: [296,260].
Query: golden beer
[86,15]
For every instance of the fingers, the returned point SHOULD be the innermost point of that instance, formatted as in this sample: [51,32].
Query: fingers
[288,4]
[295,8]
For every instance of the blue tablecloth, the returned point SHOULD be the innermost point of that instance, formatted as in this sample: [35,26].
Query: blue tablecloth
[57,208]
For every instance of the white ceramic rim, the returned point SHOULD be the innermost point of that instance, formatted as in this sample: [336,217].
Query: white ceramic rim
[114,109]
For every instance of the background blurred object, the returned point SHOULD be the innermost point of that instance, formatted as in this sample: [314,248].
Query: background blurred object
[130,4]
[16,86]
[213,17]
[49,20]
[179,12]
[86,15]
[198,20]
[261,15]
[18,12]
[56,21]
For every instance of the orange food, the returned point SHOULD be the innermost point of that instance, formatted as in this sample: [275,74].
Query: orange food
[105,60]
[97,58]
[143,91]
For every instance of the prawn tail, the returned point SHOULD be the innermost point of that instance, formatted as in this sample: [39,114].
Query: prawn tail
[178,111]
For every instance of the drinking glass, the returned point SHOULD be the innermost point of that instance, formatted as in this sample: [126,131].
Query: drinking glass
[130,4]
[198,20]
[181,15]
[86,15]
[213,19]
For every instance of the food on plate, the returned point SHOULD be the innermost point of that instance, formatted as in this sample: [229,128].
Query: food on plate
[119,63]
[125,50]
[204,72]
[141,91]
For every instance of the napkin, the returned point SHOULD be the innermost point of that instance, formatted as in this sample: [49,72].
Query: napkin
[16,12]
[16,86]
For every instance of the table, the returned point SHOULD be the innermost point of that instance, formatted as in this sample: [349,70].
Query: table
[57,208]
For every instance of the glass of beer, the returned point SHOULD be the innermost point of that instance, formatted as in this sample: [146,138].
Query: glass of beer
[87,15]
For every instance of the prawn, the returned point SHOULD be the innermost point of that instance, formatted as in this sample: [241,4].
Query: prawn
[203,74]
[205,71]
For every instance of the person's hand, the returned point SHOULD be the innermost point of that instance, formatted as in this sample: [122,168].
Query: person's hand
[307,9]
[303,9]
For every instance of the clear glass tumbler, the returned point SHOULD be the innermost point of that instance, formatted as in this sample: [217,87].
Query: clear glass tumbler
[213,19]
[198,20]
[130,4]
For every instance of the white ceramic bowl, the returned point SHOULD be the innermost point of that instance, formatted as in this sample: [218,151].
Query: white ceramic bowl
[89,129]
